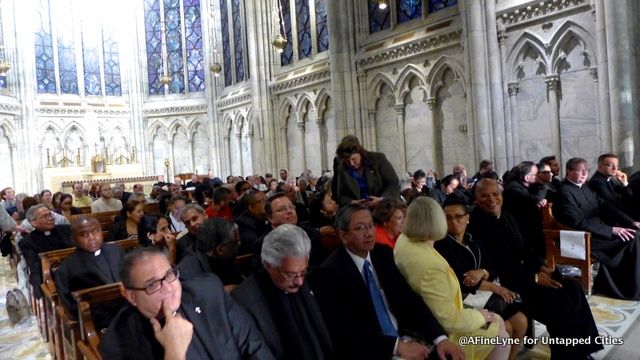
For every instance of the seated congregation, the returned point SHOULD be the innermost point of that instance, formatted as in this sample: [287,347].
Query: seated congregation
[354,264]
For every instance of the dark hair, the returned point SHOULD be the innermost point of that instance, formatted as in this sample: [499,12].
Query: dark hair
[447,180]
[148,224]
[175,198]
[219,194]
[604,157]
[454,200]
[250,196]
[344,214]
[521,170]
[419,174]
[270,199]
[132,258]
[547,159]
[129,206]
[385,210]
[28,202]
[573,163]
[485,163]
[79,222]
[239,186]
[348,146]
[213,232]
[63,197]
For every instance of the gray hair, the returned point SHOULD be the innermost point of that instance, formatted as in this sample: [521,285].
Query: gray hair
[31,213]
[284,241]
[188,207]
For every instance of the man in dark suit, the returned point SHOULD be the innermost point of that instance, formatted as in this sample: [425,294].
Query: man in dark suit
[614,236]
[357,321]
[172,320]
[47,236]
[611,184]
[92,264]
[252,222]
[280,301]
[192,216]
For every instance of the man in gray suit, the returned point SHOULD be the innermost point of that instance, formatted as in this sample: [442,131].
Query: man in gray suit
[281,303]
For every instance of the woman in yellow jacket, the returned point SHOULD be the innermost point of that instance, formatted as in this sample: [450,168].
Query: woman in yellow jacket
[432,278]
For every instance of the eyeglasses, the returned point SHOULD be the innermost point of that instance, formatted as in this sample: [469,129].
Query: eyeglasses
[285,209]
[46,216]
[544,172]
[292,276]
[155,285]
[457,217]
[361,228]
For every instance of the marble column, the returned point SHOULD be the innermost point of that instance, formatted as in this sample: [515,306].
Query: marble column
[553,94]
[513,88]
[604,104]
[303,150]
[401,136]
[172,159]
[323,142]
[512,154]
[362,87]
[436,133]
[227,154]
[371,125]
[282,148]
[191,155]
[239,157]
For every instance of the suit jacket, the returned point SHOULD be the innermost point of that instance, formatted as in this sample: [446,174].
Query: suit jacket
[37,242]
[581,208]
[522,203]
[380,176]
[611,191]
[251,296]
[350,315]
[222,329]
[250,230]
[79,271]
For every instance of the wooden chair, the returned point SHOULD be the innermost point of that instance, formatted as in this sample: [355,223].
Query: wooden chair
[551,230]
[90,336]
[49,262]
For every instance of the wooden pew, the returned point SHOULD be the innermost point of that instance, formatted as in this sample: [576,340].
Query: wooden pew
[106,219]
[89,335]
[152,208]
[551,230]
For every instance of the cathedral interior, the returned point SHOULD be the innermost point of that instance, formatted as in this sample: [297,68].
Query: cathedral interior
[116,89]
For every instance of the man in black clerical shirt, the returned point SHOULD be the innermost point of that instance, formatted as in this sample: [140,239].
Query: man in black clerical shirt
[47,236]
[94,263]
[281,303]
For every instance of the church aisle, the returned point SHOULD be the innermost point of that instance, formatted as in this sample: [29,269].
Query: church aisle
[22,341]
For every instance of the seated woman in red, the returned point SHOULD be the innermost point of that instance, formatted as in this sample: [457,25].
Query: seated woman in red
[389,216]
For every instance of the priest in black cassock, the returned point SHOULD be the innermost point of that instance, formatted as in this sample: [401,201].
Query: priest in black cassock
[614,235]
[558,303]
[47,236]
[279,300]
[94,263]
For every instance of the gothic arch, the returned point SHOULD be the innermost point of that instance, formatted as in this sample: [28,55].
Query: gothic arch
[525,41]
[561,38]
[284,110]
[321,102]
[174,125]
[305,104]
[50,124]
[73,124]
[410,72]
[440,66]
[191,130]
[238,121]
[9,130]
[375,86]
[156,128]
[227,123]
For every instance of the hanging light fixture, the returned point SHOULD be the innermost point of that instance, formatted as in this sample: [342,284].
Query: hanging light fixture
[279,41]
[382,4]
[215,67]
[165,79]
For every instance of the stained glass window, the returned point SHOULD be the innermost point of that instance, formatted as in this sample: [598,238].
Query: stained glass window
[153,36]
[408,10]
[45,68]
[174,45]
[91,63]
[226,45]
[378,19]
[3,78]
[66,49]
[435,5]
[238,44]
[111,67]
[286,57]
[303,25]
[193,46]
[322,29]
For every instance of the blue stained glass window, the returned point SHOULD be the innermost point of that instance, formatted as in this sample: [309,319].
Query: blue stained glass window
[322,30]
[303,24]
[174,45]
[408,10]
[193,46]
[45,68]
[237,40]
[67,57]
[153,36]
[378,19]
[111,67]
[226,46]
[435,5]
[286,57]
[91,62]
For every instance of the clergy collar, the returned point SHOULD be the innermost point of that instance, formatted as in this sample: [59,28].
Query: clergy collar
[576,184]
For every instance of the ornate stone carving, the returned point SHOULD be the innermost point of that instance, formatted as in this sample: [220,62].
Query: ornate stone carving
[552,82]
[594,73]
[175,110]
[513,88]
[544,8]
[9,109]
[399,108]
[410,49]
[304,80]
[300,126]
[234,101]
[61,111]
[502,38]
[431,103]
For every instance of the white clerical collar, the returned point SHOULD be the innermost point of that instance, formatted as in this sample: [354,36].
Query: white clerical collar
[97,253]
[576,184]
[47,233]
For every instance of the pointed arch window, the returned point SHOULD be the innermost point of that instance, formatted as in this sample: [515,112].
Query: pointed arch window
[380,18]
[305,28]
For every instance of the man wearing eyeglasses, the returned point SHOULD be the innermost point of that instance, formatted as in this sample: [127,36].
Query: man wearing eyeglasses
[281,302]
[46,236]
[369,308]
[170,319]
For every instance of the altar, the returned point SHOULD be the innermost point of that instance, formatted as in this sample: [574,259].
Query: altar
[63,178]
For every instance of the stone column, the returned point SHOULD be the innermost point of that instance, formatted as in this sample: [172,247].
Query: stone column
[303,150]
[282,148]
[513,88]
[323,142]
[372,129]
[239,150]
[436,133]
[602,73]
[172,168]
[362,87]
[226,160]
[511,150]
[401,136]
[191,156]
[553,82]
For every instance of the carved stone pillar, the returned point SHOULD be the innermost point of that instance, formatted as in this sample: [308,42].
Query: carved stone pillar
[323,143]
[511,149]
[553,94]
[283,149]
[226,160]
[364,128]
[191,156]
[239,151]
[513,88]
[372,129]
[401,136]
[604,104]
[303,150]
[436,133]
[172,157]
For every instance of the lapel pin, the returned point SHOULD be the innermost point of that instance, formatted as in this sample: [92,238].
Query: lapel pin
[198,309]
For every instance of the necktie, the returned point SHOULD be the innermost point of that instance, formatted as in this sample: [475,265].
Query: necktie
[378,303]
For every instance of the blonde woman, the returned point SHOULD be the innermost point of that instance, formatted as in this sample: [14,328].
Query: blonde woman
[429,274]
